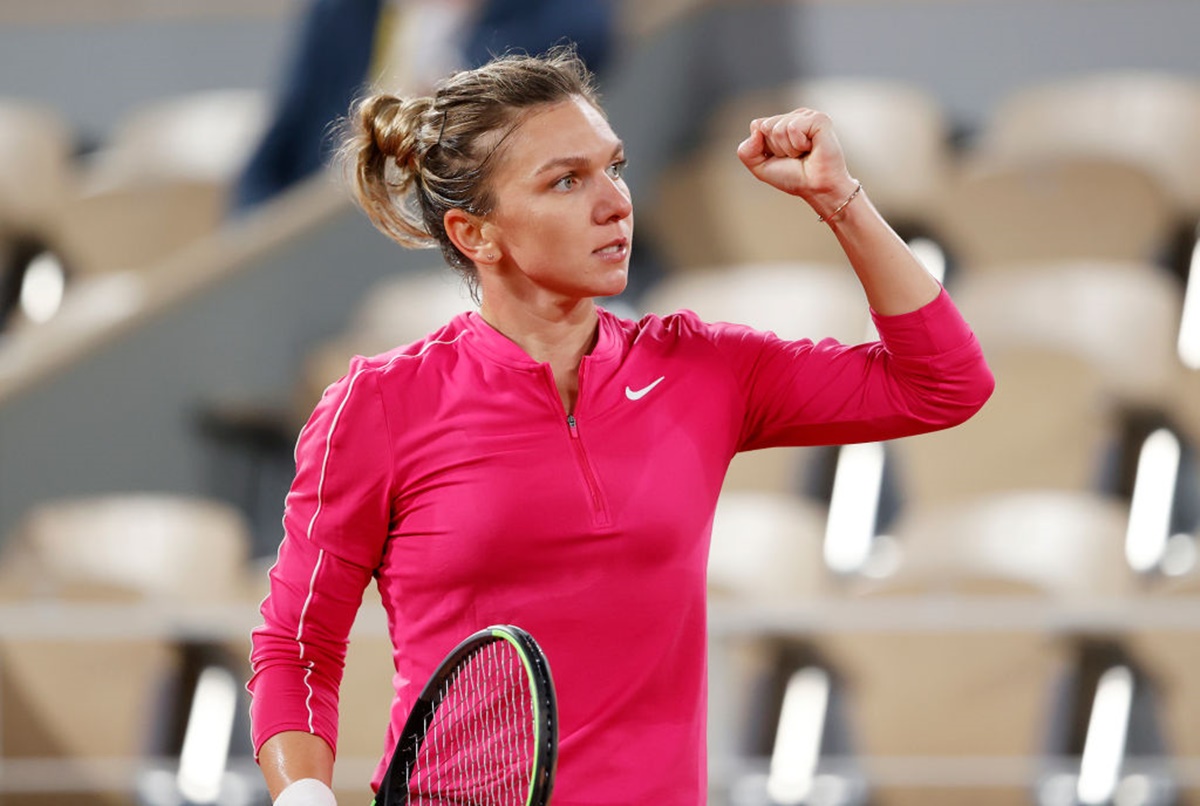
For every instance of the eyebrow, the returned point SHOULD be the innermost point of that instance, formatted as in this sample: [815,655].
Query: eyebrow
[574,162]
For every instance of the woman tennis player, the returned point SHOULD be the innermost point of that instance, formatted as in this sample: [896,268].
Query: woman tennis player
[544,463]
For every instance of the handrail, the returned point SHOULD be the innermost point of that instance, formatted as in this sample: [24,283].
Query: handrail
[102,309]
[97,621]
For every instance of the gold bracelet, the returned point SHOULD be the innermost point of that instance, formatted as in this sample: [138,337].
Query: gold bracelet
[842,206]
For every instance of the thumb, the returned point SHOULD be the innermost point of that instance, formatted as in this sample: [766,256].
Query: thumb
[752,151]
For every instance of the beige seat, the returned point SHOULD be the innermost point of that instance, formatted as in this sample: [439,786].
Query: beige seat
[1067,545]
[93,698]
[1169,655]
[37,172]
[134,224]
[161,181]
[1000,209]
[1048,424]
[1159,114]
[767,547]
[896,142]
[963,679]
[682,219]
[36,167]
[895,134]
[153,546]
[1183,403]
[1082,350]
[795,300]
[1122,316]
[397,311]
[206,136]
[766,551]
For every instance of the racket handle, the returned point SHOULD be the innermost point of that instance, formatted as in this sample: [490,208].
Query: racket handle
[306,792]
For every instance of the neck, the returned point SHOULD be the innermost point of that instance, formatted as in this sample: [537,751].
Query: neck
[558,334]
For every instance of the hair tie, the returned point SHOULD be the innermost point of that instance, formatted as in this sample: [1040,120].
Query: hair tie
[441,130]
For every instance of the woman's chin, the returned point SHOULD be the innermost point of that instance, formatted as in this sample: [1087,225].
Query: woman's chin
[618,280]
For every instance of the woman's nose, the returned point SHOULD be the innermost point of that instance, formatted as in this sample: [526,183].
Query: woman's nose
[614,203]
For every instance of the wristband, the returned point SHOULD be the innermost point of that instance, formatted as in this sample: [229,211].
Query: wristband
[306,792]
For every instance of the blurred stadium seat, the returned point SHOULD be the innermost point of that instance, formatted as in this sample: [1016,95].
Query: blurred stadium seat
[36,167]
[37,173]
[132,225]
[1146,117]
[111,697]
[684,222]
[161,181]
[1048,425]
[1170,657]
[766,547]
[896,141]
[1058,543]
[152,546]
[999,210]
[976,697]
[206,136]
[1122,316]
[397,311]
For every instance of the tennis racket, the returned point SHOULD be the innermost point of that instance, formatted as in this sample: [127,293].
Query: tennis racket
[484,730]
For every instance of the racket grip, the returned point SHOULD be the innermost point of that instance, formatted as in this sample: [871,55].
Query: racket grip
[306,792]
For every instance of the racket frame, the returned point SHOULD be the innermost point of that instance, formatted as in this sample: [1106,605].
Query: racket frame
[393,790]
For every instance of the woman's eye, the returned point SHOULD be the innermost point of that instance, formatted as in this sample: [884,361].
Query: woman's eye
[617,169]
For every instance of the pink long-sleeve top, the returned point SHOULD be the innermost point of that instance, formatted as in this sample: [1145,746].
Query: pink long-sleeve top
[448,472]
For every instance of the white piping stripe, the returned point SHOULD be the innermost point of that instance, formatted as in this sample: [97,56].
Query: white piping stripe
[312,585]
[337,416]
[429,344]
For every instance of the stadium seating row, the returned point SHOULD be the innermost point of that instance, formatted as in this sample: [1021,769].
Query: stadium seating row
[1047,177]
[974,649]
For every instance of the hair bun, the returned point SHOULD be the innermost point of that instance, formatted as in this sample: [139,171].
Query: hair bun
[393,125]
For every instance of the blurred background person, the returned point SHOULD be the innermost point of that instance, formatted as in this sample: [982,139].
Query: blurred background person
[343,45]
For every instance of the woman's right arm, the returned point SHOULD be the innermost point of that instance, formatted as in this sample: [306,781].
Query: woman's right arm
[336,523]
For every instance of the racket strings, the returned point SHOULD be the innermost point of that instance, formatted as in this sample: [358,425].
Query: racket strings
[479,747]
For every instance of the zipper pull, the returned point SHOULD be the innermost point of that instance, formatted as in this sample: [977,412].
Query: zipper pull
[571,424]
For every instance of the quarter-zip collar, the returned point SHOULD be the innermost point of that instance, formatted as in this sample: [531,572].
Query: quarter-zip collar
[497,347]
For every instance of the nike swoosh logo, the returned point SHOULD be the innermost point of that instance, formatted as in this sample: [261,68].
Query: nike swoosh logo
[640,393]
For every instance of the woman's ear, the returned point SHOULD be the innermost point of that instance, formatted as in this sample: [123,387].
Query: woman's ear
[471,235]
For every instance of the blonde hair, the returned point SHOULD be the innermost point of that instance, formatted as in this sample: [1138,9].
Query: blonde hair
[413,159]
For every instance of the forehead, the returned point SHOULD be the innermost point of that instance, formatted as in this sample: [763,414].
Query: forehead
[572,128]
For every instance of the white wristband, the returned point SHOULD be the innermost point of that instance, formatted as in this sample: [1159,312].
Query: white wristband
[306,792]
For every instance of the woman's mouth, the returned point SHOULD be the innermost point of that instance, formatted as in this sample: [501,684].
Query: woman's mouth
[615,250]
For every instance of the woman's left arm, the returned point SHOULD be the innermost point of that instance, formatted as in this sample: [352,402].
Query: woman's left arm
[799,153]
[927,373]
